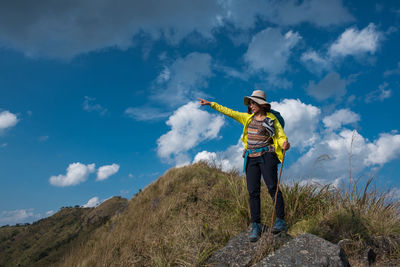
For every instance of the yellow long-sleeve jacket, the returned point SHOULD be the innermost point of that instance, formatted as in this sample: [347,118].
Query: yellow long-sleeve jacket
[245,119]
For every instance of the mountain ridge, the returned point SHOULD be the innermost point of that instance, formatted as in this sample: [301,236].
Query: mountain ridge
[190,212]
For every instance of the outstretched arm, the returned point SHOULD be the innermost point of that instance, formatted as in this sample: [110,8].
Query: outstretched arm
[238,116]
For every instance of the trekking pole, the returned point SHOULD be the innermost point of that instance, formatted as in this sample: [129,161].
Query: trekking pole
[276,197]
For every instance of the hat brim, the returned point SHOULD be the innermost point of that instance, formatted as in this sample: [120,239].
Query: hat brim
[247,99]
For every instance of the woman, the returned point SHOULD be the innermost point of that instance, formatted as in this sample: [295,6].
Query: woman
[264,139]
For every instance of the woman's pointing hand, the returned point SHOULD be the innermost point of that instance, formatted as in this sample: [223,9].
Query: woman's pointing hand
[204,102]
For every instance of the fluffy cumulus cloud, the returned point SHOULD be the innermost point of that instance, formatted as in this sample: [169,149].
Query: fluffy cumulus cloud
[189,127]
[93,202]
[351,42]
[301,121]
[339,118]
[330,86]
[269,50]
[328,150]
[104,172]
[301,124]
[76,173]
[7,120]
[330,158]
[75,27]
[383,150]
[230,159]
[16,216]
[355,42]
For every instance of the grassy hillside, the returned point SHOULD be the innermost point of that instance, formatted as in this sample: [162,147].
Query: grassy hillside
[190,212]
[44,242]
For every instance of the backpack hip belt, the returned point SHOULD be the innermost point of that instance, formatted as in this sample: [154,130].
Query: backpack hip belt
[251,151]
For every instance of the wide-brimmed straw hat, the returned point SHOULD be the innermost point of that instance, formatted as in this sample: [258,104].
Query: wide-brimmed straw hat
[257,96]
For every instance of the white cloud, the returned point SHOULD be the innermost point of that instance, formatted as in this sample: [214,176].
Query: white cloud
[3,145]
[76,173]
[301,121]
[93,202]
[90,105]
[189,127]
[16,216]
[380,94]
[106,171]
[49,213]
[330,86]
[334,184]
[354,42]
[7,120]
[269,50]
[76,27]
[230,159]
[339,118]
[325,148]
[351,42]
[383,150]
[329,159]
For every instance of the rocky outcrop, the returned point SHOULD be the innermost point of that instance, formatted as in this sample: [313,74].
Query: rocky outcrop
[307,250]
[239,251]
[304,250]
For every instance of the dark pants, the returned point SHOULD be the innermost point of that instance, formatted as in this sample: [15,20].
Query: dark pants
[268,167]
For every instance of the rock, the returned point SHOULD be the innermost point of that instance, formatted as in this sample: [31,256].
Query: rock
[239,251]
[306,250]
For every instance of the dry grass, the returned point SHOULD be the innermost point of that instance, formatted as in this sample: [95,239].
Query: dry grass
[177,221]
[188,213]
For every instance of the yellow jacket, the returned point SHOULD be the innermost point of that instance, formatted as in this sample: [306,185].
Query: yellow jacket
[245,119]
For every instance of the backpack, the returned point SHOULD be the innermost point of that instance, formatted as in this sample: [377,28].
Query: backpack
[279,117]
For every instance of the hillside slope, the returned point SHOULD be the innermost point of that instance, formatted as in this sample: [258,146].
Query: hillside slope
[46,241]
[180,219]
[190,212]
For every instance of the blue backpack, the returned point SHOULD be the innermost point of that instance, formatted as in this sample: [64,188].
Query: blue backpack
[279,117]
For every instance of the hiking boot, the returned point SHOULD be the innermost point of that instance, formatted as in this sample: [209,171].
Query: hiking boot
[279,226]
[255,232]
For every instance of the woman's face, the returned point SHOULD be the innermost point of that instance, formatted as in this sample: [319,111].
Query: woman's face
[255,108]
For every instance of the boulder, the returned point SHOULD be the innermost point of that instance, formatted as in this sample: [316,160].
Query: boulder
[239,251]
[306,250]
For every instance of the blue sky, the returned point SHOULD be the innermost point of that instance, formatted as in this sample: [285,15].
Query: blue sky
[98,99]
